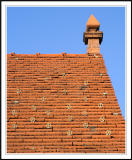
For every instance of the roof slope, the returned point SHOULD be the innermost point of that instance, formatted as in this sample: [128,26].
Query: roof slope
[62,103]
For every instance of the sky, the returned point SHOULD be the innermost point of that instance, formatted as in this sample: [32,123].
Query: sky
[51,30]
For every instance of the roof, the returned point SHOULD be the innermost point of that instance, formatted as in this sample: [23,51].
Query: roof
[62,103]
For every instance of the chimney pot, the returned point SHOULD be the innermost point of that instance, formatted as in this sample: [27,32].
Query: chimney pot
[92,36]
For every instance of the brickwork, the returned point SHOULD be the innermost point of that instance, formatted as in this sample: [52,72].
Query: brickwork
[62,103]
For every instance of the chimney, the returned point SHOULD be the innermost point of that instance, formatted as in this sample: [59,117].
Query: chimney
[92,36]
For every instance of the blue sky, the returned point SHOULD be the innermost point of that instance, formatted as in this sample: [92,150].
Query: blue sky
[51,30]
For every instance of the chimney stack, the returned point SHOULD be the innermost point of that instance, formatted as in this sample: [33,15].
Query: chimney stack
[92,36]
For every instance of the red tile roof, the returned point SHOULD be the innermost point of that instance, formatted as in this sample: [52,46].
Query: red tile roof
[62,103]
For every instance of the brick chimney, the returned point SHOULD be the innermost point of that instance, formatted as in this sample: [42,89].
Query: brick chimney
[92,36]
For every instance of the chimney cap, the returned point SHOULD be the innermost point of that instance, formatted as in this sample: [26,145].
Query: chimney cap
[93,22]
